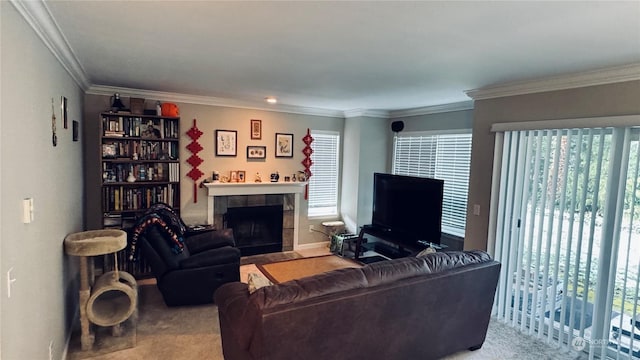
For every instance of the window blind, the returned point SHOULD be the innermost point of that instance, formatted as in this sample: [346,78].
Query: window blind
[323,184]
[441,156]
[567,234]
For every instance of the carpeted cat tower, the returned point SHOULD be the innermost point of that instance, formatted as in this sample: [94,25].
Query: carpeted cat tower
[109,301]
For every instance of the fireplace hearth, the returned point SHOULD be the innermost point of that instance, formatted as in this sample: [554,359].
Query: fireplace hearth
[257,229]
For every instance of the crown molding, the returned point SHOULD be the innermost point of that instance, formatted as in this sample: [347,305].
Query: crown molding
[210,100]
[611,75]
[42,22]
[433,109]
[366,113]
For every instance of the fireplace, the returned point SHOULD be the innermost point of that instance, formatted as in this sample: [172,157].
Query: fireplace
[223,196]
[256,229]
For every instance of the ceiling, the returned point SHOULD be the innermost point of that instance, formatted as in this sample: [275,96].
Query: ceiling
[342,55]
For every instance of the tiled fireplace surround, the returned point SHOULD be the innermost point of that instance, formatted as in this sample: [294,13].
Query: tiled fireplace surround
[222,196]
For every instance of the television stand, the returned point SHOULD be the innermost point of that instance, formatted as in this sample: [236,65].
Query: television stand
[403,250]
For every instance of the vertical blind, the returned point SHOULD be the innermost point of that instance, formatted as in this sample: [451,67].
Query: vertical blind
[323,185]
[440,156]
[568,236]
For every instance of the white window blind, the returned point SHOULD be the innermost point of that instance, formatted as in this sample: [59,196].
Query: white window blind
[323,185]
[441,156]
[567,235]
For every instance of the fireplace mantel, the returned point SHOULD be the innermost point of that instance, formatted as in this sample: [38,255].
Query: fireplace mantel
[230,189]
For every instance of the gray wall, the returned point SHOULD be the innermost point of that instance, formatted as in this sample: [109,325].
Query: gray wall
[43,300]
[210,118]
[603,100]
[366,150]
[451,120]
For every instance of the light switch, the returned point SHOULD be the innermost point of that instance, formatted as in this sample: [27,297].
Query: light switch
[476,210]
[10,281]
[27,210]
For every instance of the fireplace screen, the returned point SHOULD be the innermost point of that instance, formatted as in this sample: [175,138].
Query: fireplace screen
[257,229]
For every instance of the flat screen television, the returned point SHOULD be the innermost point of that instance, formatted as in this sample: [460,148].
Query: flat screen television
[409,207]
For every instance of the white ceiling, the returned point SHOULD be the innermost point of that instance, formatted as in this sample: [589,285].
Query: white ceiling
[343,55]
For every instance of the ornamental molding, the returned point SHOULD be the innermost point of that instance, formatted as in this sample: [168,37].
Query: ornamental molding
[38,16]
[611,75]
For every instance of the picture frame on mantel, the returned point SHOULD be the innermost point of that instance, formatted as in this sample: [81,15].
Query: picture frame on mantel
[284,145]
[256,129]
[226,142]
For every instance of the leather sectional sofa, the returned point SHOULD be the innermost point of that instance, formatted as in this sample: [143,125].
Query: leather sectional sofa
[409,308]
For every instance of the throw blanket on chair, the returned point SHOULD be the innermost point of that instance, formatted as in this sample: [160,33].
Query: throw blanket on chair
[167,220]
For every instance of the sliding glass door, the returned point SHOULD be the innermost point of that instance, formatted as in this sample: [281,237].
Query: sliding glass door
[567,231]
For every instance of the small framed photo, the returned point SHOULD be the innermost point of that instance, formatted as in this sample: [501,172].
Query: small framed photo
[226,142]
[109,150]
[63,105]
[75,126]
[256,152]
[256,129]
[284,145]
[233,176]
[241,175]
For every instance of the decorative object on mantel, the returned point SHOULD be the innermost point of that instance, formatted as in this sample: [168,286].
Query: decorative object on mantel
[275,177]
[54,137]
[258,178]
[307,151]
[194,160]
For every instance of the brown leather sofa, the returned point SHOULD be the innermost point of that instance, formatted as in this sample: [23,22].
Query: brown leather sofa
[409,308]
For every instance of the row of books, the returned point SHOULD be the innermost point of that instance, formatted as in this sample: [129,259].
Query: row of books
[114,172]
[140,150]
[120,198]
[140,127]
[139,269]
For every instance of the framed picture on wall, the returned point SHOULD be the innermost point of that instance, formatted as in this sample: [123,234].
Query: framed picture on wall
[226,142]
[64,110]
[284,145]
[256,129]
[256,152]
[75,129]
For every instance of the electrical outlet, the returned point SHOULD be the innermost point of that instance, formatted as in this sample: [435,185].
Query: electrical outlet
[311,228]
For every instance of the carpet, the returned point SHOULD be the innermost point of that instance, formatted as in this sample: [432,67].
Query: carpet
[193,333]
[283,271]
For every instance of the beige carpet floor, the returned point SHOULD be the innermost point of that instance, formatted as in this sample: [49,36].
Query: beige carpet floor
[193,333]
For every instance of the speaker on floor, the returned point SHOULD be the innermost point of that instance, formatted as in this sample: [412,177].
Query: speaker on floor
[397,126]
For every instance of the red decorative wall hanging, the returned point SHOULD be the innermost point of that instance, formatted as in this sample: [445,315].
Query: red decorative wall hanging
[307,151]
[194,160]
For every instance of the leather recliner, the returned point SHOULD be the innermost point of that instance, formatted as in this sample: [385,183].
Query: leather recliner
[208,260]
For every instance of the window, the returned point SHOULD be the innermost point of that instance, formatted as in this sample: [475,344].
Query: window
[440,156]
[566,221]
[323,184]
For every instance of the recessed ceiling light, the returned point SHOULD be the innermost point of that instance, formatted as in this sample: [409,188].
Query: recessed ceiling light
[271,99]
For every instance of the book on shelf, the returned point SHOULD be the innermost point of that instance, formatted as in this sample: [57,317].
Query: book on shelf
[114,133]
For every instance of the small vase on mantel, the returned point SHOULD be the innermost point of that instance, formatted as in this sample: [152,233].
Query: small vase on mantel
[131,178]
